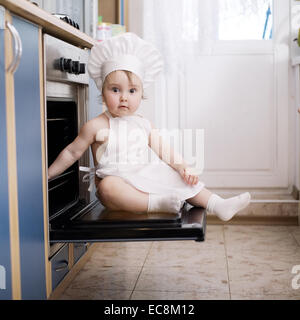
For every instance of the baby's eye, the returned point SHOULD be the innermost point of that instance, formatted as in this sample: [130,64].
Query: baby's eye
[133,90]
[114,89]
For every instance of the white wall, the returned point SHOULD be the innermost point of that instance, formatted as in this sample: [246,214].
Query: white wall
[295,88]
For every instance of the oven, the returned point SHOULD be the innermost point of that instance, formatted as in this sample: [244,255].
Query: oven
[75,214]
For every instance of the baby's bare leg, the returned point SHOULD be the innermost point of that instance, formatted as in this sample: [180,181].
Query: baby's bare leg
[116,194]
[200,199]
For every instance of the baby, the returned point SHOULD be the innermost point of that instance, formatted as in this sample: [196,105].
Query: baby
[143,174]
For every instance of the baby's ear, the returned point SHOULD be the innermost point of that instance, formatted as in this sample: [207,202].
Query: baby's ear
[101,99]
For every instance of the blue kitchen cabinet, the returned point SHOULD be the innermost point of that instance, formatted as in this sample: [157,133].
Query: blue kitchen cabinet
[29,163]
[22,252]
[24,265]
[5,265]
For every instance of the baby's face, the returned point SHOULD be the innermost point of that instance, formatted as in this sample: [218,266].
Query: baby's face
[121,95]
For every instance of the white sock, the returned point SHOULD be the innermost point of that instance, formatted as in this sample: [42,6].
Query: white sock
[159,203]
[225,209]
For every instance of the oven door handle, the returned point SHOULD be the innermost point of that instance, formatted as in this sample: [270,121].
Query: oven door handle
[62,266]
[17,48]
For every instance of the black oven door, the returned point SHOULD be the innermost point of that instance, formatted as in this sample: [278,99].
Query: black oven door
[95,223]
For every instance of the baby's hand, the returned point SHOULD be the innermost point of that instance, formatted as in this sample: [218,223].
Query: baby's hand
[189,175]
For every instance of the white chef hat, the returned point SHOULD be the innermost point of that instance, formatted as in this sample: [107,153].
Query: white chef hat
[124,52]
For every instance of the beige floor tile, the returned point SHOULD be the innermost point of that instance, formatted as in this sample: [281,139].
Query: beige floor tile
[295,231]
[214,238]
[125,244]
[253,259]
[196,258]
[237,296]
[275,282]
[214,234]
[177,244]
[201,255]
[258,238]
[259,262]
[110,278]
[95,293]
[178,295]
[182,279]
[260,273]
[118,256]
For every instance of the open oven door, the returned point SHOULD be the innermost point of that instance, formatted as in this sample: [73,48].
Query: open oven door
[95,223]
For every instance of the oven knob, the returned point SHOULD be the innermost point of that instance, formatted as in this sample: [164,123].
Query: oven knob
[65,65]
[82,68]
[75,67]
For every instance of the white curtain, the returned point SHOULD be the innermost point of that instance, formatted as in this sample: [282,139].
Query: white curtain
[179,29]
[183,29]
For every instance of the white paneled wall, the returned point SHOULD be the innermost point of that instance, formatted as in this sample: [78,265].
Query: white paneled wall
[295,85]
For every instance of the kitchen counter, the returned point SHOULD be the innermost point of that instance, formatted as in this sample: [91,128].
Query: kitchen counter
[50,24]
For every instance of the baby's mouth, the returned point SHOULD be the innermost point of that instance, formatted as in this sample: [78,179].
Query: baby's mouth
[123,107]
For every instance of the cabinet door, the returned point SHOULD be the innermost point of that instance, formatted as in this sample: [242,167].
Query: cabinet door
[29,163]
[5,267]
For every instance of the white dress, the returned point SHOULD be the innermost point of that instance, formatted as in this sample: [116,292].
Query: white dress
[127,155]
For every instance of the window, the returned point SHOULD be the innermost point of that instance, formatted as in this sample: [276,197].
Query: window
[245,19]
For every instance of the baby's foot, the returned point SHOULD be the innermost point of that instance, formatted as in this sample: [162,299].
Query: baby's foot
[225,209]
[159,203]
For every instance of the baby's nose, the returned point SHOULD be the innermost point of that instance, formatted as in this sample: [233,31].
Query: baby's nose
[123,97]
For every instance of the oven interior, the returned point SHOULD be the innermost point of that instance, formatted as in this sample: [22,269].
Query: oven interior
[63,190]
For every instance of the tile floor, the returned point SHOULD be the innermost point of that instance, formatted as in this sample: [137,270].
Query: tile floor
[234,262]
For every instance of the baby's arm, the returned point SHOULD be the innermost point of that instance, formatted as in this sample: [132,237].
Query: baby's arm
[170,156]
[71,153]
